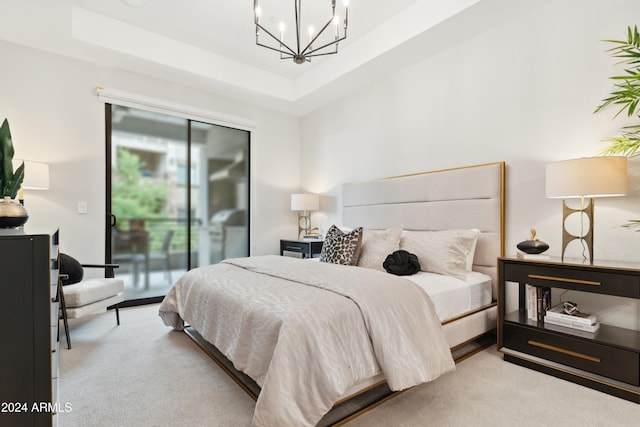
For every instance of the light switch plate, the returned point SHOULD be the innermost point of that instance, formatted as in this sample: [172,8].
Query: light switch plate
[82,207]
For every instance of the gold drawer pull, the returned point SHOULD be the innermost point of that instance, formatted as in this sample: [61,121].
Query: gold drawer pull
[562,350]
[563,279]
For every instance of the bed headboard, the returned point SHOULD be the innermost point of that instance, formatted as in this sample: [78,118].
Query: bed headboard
[465,197]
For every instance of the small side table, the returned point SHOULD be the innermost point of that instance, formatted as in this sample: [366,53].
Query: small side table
[301,248]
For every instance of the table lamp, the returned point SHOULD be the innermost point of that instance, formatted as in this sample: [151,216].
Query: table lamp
[304,204]
[589,177]
[36,176]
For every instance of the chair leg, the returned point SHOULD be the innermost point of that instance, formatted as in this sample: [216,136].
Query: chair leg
[63,305]
[118,314]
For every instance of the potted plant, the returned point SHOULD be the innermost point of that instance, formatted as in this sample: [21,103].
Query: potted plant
[12,214]
[626,96]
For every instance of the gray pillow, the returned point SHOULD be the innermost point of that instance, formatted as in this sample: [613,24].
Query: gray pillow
[376,245]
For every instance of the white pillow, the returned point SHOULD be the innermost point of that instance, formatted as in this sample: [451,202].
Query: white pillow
[443,252]
[377,244]
[472,251]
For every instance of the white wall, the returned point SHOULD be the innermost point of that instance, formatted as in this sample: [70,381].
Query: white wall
[55,117]
[523,92]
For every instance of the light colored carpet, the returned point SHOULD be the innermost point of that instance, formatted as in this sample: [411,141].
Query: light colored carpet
[143,374]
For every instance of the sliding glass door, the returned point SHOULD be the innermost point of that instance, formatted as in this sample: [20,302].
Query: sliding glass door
[178,197]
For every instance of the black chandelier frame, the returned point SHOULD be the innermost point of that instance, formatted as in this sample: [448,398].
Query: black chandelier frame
[302,53]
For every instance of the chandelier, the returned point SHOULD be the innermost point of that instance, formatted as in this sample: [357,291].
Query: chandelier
[323,42]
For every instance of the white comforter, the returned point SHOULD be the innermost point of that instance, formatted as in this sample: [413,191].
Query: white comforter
[307,331]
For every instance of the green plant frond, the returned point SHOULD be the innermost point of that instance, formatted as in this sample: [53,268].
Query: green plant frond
[627,96]
[13,185]
[6,153]
[633,36]
[627,145]
[633,74]
[614,48]
[633,223]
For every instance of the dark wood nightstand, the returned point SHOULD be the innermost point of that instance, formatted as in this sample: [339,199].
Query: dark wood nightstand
[607,360]
[301,248]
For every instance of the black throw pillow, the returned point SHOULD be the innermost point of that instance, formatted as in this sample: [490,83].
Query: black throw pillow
[71,267]
[401,263]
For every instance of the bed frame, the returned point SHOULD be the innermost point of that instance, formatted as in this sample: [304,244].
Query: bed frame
[466,197]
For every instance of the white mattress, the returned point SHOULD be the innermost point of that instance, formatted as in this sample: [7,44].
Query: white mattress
[453,297]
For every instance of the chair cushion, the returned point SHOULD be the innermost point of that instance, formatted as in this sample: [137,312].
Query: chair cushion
[91,290]
[76,312]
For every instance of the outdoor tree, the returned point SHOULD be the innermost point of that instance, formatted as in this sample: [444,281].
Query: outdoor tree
[135,196]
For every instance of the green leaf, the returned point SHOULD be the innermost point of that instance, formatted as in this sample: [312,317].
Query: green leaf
[625,94]
[13,185]
[6,156]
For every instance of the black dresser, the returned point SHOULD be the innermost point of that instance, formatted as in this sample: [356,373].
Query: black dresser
[29,319]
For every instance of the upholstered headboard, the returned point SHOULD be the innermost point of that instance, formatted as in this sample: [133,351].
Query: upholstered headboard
[466,197]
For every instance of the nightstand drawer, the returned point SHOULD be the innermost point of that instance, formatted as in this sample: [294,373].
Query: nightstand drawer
[582,279]
[301,249]
[295,247]
[589,356]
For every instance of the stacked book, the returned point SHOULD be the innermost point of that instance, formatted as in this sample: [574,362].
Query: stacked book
[581,321]
[524,255]
[538,301]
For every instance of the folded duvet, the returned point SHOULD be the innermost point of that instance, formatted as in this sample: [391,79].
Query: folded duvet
[307,331]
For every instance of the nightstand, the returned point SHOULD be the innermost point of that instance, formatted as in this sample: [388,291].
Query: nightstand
[607,360]
[301,248]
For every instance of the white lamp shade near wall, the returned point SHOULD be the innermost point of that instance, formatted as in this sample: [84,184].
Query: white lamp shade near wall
[305,202]
[36,174]
[587,177]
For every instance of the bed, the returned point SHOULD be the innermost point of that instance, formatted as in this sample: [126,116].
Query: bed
[315,342]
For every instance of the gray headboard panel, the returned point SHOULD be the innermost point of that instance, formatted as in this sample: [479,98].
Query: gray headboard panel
[467,197]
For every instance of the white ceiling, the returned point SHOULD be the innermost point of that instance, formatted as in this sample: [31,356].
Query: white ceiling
[211,44]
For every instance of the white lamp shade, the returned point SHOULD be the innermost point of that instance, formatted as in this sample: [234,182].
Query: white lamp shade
[587,177]
[36,174]
[305,202]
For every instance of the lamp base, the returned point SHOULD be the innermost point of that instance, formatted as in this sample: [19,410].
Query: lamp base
[304,222]
[304,225]
[586,238]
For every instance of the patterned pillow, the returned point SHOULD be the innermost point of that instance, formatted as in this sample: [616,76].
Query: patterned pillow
[341,248]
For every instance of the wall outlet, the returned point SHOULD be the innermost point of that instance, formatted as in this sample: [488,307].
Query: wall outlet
[82,207]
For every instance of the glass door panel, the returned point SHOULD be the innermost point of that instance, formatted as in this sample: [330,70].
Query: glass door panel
[178,199]
[149,234]
[220,201]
